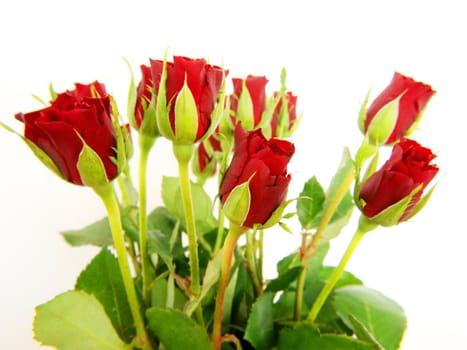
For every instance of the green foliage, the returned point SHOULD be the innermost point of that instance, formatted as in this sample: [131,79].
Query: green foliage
[172,197]
[305,337]
[371,315]
[177,331]
[97,233]
[103,279]
[76,320]
[260,328]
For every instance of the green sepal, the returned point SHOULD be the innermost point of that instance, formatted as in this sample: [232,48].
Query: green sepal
[149,123]
[91,168]
[276,216]
[124,146]
[162,112]
[237,204]
[38,152]
[421,203]
[362,114]
[391,215]
[364,152]
[245,112]
[217,115]
[186,116]
[132,95]
[384,122]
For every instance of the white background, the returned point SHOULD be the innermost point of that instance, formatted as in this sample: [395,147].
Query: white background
[334,52]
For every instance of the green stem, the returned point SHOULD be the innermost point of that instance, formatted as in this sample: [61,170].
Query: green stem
[300,282]
[220,230]
[308,251]
[183,154]
[113,211]
[228,248]
[330,209]
[336,274]
[145,144]
[260,254]
[252,264]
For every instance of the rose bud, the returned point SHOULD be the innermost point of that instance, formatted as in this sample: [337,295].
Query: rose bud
[75,136]
[396,111]
[190,98]
[284,118]
[248,101]
[144,117]
[255,184]
[394,193]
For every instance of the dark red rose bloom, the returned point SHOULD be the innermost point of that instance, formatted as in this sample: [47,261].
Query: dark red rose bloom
[74,116]
[415,96]
[266,161]
[408,167]
[144,93]
[291,113]
[204,82]
[256,86]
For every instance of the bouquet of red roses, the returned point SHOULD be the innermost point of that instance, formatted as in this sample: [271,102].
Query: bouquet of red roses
[189,274]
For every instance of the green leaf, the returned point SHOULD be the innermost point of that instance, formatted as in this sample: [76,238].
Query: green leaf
[382,317]
[310,202]
[172,197]
[76,320]
[211,276]
[260,327]
[97,233]
[177,331]
[305,337]
[160,295]
[103,279]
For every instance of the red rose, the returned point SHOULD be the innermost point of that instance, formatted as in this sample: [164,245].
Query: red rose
[144,93]
[256,87]
[290,115]
[204,82]
[263,165]
[74,117]
[408,168]
[414,96]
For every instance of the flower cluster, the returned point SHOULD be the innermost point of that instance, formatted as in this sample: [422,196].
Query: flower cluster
[207,292]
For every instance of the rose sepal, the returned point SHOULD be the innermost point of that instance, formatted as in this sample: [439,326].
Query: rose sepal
[162,112]
[384,122]
[237,205]
[124,149]
[421,203]
[132,97]
[275,217]
[362,113]
[393,214]
[90,167]
[38,152]
[186,116]
[218,114]
[245,113]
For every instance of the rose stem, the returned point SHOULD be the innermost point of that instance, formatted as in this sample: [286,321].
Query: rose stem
[113,211]
[252,264]
[311,248]
[336,274]
[145,144]
[228,248]
[183,154]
